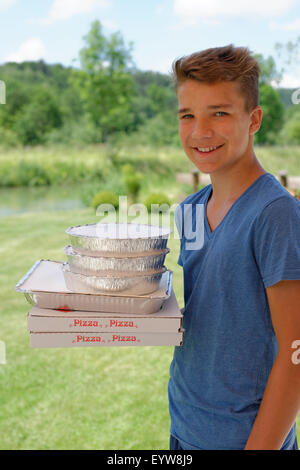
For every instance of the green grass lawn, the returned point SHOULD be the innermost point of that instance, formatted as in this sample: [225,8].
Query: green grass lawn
[91,398]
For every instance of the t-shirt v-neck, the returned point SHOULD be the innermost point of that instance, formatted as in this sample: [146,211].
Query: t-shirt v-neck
[210,233]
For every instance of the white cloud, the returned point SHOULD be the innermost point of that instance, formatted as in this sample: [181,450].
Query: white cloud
[291,26]
[65,9]
[6,3]
[32,49]
[288,81]
[193,10]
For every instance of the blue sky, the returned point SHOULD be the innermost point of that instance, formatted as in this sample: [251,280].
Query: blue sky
[161,30]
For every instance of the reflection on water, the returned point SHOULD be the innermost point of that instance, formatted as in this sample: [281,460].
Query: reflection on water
[19,200]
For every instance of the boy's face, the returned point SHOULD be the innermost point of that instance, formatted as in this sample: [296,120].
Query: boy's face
[205,121]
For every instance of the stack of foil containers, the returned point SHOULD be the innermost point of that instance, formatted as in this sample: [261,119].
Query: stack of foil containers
[113,290]
[115,257]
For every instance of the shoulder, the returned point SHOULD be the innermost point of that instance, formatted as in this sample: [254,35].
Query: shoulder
[277,225]
[284,207]
[269,190]
[276,240]
[269,199]
[197,197]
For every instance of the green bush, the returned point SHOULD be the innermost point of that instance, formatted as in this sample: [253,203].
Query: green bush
[293,131]
[8,138]
[159,199]
[81,131]
[105,197]
[48,172]
[132,181]
[23,174]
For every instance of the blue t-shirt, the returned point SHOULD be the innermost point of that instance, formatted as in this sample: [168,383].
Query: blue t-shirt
[219,374]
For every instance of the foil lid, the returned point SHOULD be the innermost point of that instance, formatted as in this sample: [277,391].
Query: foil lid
[117,238]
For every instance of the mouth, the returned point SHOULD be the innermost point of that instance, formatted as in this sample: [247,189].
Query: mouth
[207,151]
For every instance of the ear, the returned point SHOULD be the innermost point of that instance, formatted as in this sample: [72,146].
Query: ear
[255,120]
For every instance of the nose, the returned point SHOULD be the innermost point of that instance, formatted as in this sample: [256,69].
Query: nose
[201,128]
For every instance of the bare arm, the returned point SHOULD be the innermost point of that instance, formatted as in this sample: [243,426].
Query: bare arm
[281,400]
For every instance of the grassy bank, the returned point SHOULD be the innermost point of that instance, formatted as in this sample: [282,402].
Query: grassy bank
[57,165]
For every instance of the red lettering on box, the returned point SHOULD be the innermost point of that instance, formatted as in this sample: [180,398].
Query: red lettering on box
[122,324]
[65,308]
[89,339]
[123,338]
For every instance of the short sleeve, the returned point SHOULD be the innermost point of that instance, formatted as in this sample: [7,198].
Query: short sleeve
[277,241]
[178,221]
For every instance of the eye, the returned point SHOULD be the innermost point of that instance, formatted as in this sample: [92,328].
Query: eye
[222,112]
[186,116]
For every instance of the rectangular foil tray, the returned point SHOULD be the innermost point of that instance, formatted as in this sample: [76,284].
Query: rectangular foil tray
[44,287]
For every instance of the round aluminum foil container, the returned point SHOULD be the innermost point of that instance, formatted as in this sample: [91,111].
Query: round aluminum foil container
[97,266]
[127,284]
[117,238]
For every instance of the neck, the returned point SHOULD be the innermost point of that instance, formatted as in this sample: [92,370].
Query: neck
[229,185]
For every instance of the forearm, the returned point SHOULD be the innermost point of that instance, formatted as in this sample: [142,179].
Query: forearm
[279,407]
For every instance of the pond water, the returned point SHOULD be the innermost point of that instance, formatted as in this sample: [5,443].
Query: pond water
[51,198]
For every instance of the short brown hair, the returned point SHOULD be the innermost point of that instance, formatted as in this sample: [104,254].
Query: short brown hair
[220,64]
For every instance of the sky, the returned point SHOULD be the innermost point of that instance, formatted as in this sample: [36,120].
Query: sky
[160,30]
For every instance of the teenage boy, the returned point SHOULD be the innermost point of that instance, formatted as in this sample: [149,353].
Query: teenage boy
[235,381]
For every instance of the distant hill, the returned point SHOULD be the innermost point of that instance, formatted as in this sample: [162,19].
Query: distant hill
[57,76]
[286,94]
[152,107]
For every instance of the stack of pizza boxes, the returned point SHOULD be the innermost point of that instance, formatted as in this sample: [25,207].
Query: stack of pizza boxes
[113,290]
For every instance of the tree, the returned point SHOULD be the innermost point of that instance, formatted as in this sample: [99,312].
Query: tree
[270,101]
[17,96]
[37,81]
[269,72]
[273,112]
[38,117]
[104,82]
[161,99]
